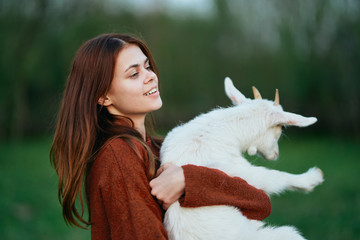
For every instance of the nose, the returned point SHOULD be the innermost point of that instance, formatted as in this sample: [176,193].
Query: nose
[150,76]
[275,156]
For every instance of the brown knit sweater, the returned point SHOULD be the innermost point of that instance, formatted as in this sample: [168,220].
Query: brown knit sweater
[121,206]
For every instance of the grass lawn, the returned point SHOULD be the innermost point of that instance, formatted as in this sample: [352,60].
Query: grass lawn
[30,209]
[332,210]
[28,186]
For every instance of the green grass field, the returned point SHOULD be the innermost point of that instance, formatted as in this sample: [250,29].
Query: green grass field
[30,209]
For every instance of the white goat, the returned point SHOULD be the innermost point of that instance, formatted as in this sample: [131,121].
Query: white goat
[217,139]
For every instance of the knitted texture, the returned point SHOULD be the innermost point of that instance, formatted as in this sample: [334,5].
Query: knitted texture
[121,206]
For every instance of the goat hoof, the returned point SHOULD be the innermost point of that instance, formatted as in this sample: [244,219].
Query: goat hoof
[321,172]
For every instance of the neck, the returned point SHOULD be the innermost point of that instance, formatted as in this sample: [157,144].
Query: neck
[234,129]
[139,125]
[137,119]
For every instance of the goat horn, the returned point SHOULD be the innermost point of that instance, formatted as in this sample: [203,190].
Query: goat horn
[256,93]
[277,99]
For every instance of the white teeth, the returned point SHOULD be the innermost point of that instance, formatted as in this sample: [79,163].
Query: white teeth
[151,92]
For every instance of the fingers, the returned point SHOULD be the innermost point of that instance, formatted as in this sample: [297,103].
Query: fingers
[163,168]
[169,185]
[165,206]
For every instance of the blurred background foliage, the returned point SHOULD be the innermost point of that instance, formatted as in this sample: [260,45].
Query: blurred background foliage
[309,50]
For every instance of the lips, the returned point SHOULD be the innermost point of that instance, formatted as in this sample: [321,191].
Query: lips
[152,91]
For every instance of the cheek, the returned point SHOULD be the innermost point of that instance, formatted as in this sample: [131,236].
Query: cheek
[121,96]
[125,92]
[275,145]
[272,145]
[127,101]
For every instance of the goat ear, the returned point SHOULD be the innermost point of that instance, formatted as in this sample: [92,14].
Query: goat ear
[290,119]
[235,95]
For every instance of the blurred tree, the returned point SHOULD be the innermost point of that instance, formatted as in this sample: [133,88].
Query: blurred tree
[308,49]
[21,29]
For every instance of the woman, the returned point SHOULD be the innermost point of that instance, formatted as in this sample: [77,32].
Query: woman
[103,137]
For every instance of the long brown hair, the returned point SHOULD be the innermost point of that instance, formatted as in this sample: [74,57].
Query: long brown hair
[83,125]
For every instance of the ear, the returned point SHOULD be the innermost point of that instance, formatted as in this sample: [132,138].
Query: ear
[290,119]
[104,101]
[235,95]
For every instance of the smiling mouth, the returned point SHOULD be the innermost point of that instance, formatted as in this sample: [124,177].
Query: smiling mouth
[152,91]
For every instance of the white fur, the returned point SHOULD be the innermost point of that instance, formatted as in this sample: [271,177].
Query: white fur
[217,139]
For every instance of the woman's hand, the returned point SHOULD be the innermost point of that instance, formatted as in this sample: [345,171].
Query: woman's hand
[169,185]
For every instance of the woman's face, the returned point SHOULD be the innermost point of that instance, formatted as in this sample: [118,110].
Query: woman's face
[134,88]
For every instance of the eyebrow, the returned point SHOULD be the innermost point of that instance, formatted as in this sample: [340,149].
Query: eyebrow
[136,65]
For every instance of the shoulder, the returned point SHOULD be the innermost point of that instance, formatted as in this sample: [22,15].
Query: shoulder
[119,148]
[117,157]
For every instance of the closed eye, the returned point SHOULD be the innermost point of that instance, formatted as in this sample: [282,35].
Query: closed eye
[134,75]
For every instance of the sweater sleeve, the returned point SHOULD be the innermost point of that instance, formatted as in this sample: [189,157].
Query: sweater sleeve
[121,205]
[208,187]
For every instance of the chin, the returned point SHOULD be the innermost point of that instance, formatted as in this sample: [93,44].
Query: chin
[158,105]
[157,108]
[155,105]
